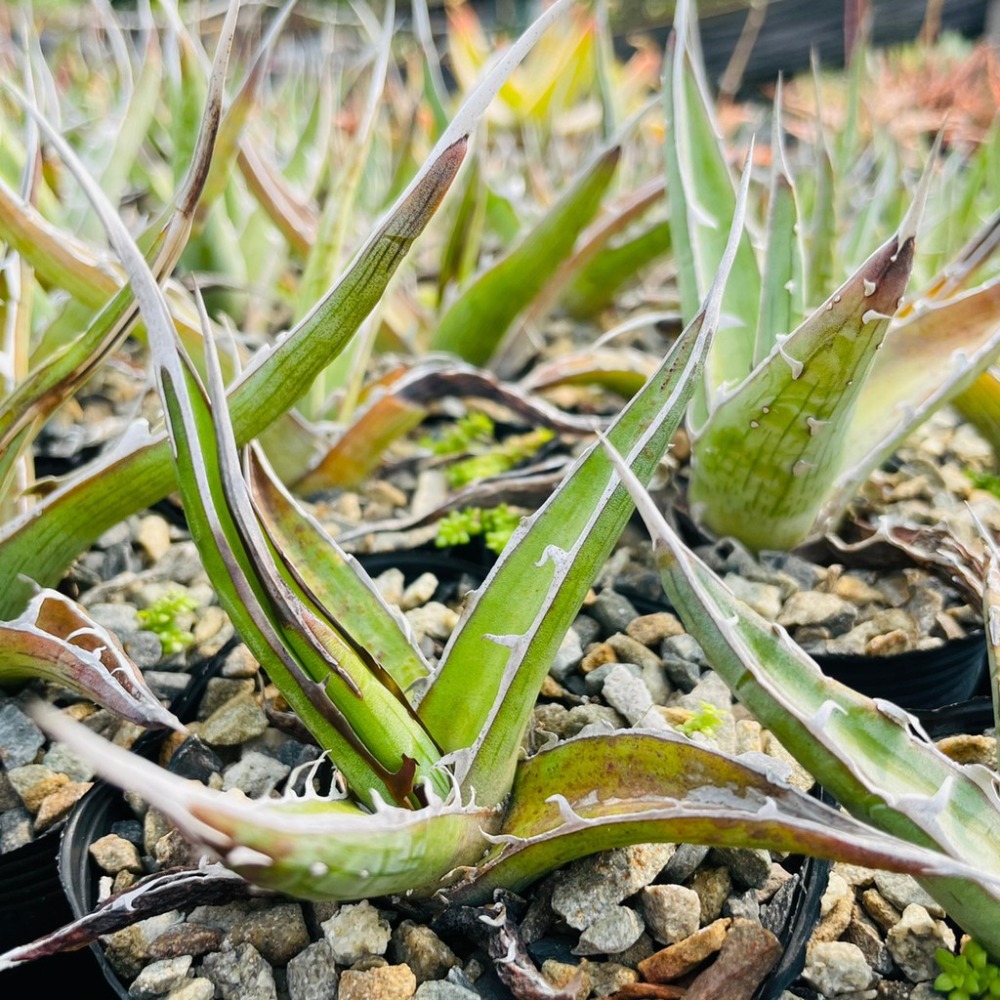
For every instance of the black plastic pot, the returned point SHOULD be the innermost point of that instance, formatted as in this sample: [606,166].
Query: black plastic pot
[921,680]
[38,893]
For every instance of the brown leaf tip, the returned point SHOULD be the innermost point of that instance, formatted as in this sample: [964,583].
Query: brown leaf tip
[889,275]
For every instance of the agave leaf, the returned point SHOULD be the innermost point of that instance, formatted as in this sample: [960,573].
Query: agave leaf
[822,227]
[781,301]
[435,89]
[136,121]
[325,254]
[772,448]
[476,322]
[55,639]
[17,293]
[870,755]
[266,391]
[991,616]
[61,260]
[207,885]
[330,681]
[596,285]
[512,626]
[926,360]
[458,260]
[980,405]
[309,847]
[233,123]
[50,383]
[622,370]
[592,249]
[333,578]
[339,693]
[701,197]
[72,516]
[294,219]
[593,793]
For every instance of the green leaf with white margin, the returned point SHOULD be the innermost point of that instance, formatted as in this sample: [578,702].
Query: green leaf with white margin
[68,520]
[333,577]
[770,452]
[310,847]
[781,294]
[927,359]
[593,793]
[821,238]
[869,754]
[476,322]
[701,197]
[55,639]
[24,411]
[343,697]
[513,624]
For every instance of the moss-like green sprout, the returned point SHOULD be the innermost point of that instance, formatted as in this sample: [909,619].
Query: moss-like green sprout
[474,428]
[967,975]
[504,457]
[494,524]
[161,618]
[706,719]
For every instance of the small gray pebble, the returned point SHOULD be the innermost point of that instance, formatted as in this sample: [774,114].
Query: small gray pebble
[613,611]
[594,681]
[20,738]
[684,863]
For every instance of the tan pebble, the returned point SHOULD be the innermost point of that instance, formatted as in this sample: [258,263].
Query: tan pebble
[114,854]
[652,629]
[835,919]
[749,736]
[34,783]
[419,592]
[551,688]
[649,991]
[970,749]
[597,654]
[386,982]
[153,535]
[58,805]
[889,644]
[850,588]
[607,978]
[565,977]
[880,909]
[211,621]
[382,492]
[675,960]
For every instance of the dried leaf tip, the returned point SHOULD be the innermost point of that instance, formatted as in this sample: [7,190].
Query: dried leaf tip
[911,221]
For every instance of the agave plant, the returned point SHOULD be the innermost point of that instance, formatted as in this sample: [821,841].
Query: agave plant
[436,793]
[804,393]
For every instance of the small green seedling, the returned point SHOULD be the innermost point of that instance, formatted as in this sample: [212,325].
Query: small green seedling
[706,719]
[494,524]
[502,458]
[161,617]
[967,975]
[474,428]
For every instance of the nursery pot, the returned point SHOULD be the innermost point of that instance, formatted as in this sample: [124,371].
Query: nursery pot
[74,873]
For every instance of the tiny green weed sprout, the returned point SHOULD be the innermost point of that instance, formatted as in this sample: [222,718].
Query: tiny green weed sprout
[706,719]
[474,428]
[494,524]
[985,481]
[161,618]
[504,457]
[967,975]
